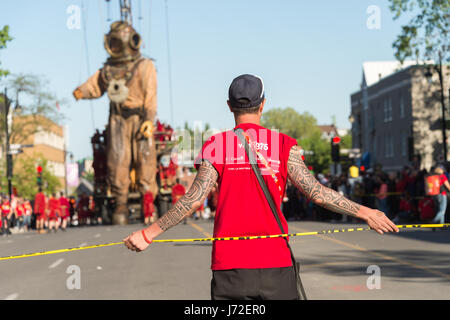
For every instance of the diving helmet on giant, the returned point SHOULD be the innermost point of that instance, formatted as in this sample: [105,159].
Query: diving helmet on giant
[122,42]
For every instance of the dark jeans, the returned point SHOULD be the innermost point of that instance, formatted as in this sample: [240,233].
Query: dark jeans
[254,284]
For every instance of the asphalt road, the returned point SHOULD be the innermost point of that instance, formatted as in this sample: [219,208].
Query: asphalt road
[414,264]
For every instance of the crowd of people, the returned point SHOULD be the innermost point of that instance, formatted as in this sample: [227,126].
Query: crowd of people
[46,214]
[403,196]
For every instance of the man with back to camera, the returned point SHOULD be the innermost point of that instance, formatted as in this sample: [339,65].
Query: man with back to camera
[260,268]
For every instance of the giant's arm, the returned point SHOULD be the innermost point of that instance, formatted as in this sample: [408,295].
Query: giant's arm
[91,89]
[150,88]
[204,181]
[328,198]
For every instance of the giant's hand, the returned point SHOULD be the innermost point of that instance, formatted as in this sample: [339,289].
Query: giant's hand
[378,221]
[147,129]
[77,94]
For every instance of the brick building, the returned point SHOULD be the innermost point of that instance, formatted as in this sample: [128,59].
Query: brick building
[47,140]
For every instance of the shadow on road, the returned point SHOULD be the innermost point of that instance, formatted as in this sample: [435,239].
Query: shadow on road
[441,235]
[349,263]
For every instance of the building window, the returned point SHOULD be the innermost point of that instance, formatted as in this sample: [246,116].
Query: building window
[404,144]
[387,110]
[402,107]
[388,146]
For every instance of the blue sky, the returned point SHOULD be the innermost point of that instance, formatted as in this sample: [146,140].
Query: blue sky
[309,53]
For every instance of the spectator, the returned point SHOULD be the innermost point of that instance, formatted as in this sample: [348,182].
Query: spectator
[65,214]
[382,194]
[441,198]
[405,209]
[28,211]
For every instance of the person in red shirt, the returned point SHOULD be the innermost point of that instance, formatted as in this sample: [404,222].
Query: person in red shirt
[260,268]
[426,208]
[6,216]
[20,213]
[54,213]
[441,199]
[40,210]
[148,207]
[405,208]
[65,215]
[28,211]
[83,209]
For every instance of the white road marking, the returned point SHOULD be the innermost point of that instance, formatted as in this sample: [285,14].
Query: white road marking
[97,235]
[12,296]
[99,268]
[56,263]
[83,244]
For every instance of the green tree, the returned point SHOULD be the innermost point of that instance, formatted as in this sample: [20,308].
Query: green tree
[321,158]
[4,38]
[25,177]
[426,33]
[346,141]
[302,127]
[290,122]
[39,111]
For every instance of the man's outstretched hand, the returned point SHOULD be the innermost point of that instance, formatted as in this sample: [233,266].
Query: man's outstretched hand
[378,221]
[136,241]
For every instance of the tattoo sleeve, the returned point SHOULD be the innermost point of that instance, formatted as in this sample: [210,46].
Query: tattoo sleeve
[203,183]
[328,198]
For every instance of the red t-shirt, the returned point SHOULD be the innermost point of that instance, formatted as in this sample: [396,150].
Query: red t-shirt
[64,205]
[40,203]
[148,204]
[54,207]
[442,180]
[178,191]
[242,209]
[19,210]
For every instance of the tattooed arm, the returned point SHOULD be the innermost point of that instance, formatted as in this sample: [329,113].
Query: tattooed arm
[328,198]
[204,181]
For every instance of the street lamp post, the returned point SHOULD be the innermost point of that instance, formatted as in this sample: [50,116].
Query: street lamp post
[428,74]
[65,168]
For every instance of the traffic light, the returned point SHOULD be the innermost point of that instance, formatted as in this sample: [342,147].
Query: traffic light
[39,175]
[335,149]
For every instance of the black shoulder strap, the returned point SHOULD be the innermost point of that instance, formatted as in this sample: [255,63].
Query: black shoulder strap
[262,183]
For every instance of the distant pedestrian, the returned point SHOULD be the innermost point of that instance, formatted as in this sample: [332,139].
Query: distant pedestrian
[441,198]
[40,211]
[54,213]
[382,194]
[65,214]
[148,208]
[6,215]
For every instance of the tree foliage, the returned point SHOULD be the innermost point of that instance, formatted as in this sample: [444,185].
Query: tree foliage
[4,38]
[426,33]
[302,127]
[33,104]
[290,122]
[25,177]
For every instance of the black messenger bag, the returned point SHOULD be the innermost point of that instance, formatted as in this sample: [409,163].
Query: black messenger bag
[296,265]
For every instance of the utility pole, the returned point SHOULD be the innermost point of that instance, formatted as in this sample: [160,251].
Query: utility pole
[444,124]
[8,123]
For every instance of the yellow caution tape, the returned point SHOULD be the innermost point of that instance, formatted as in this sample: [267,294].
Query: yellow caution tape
[410,226]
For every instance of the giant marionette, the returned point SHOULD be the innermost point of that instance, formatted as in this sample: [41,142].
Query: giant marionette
[130,82]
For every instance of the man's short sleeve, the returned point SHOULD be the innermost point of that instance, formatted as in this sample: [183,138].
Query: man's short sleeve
[287,143]
[212,151]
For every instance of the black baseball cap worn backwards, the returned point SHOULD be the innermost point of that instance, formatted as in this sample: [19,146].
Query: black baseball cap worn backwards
[246,91]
